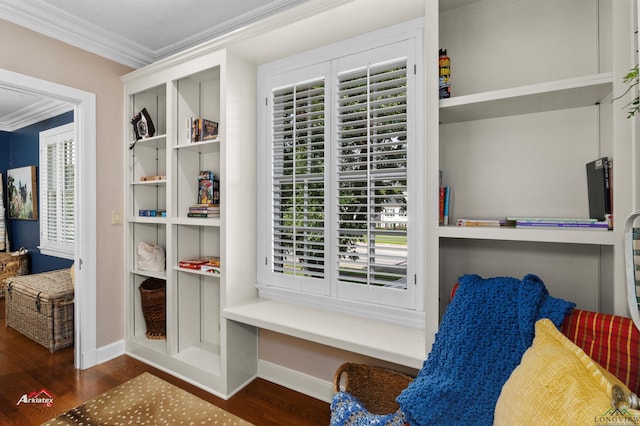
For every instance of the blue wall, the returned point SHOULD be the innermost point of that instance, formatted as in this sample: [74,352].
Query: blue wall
[20,149]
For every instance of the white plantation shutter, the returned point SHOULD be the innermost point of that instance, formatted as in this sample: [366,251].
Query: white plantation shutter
[372,175]
[341,180]
[57,192]
[298,186]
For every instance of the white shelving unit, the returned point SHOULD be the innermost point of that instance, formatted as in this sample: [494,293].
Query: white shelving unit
[200,346]
[531,105]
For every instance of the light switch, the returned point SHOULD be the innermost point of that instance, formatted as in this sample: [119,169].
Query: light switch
[116,217]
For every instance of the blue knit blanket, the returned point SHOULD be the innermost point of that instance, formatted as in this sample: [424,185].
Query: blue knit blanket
[485,330]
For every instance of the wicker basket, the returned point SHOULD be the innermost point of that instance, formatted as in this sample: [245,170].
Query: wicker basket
[376,387]
[152,296]
[13,264]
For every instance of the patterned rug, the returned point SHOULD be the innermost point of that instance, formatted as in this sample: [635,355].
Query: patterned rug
[146,400]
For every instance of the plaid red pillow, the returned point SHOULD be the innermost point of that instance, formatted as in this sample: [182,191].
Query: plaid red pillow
[612,341]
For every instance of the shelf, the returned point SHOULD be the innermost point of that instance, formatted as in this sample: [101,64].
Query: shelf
[150,182]
[148,219]
[389,342]
[570,236]
[194,221]
[554,95]
[201,358]
[151,274]
[204,146]
[197,272]
[155,142]
[157,345]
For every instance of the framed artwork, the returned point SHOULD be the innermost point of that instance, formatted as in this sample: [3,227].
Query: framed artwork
[22,193]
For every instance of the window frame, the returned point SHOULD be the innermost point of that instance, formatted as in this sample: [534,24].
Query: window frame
[276,74]
[56,135]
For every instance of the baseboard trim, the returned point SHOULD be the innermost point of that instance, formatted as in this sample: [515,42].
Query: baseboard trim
[295,380]
[110,351]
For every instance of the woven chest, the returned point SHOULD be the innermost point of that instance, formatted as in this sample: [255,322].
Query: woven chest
[40,306]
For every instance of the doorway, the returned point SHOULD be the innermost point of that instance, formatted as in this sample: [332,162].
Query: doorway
[84,107]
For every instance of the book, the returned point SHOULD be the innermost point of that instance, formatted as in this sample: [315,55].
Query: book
[480,222]
[441,205]
[514,221]
[192,263]
[447,200]
[210,268]
[201,129]
[598,188]
[565,225]
[444,203]
[203,214]
[208,129]
[198,262]
[609,217]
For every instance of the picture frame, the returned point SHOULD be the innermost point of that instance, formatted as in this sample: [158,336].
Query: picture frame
[22,193]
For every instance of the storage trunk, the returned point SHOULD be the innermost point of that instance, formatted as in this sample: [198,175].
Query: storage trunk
[40,306]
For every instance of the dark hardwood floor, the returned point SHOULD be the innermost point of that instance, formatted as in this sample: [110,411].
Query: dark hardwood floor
[27,367]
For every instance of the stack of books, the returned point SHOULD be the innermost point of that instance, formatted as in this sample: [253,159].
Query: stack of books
[206,264]
[204,210]
[557,223]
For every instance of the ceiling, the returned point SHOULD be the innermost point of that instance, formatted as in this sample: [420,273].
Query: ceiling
[133,33]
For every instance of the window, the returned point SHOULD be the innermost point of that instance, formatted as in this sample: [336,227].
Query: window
[340,143]
[57,191]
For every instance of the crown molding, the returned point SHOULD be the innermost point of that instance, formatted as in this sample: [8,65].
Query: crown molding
[41,110]
[53,22]
[227,27]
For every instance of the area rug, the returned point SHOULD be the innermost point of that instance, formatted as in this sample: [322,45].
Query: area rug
[146,400]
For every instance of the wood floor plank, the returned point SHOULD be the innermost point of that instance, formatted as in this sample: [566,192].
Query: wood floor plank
[27,367]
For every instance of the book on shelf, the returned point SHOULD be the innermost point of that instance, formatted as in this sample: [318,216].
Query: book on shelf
[208,188]
[210,268]
[598,225]
[152,213]
[204,210]
[444,203]
[198,262]
[481,222]
[599,189]
[201,129]
[203,214]
[525,220]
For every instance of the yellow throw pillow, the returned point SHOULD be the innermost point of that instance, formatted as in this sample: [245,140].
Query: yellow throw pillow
[557,383]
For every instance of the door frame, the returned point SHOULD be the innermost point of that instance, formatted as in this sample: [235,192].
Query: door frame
[84,107]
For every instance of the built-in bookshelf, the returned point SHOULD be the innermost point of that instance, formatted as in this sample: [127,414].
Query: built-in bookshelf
[530,107]
[162,185]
